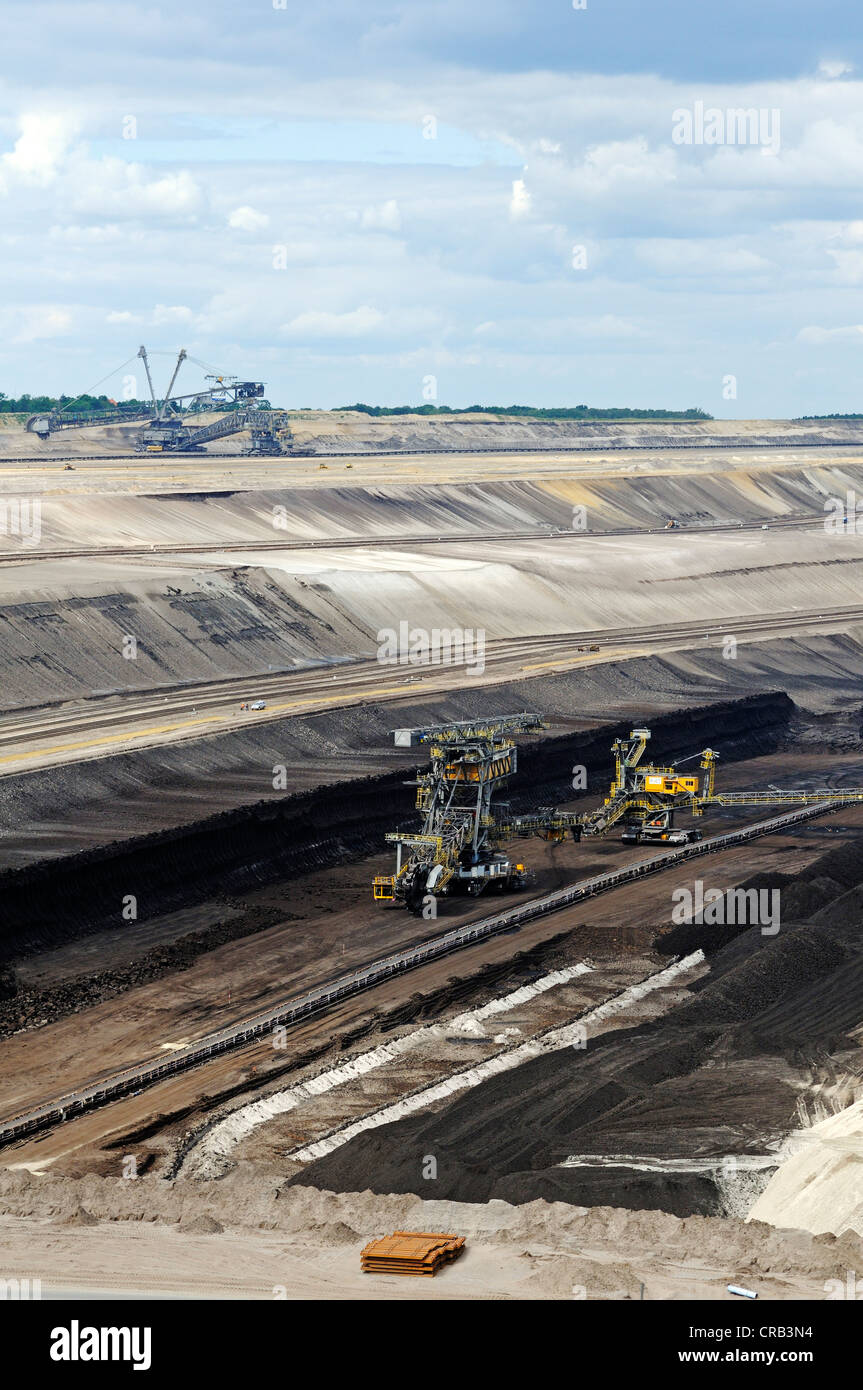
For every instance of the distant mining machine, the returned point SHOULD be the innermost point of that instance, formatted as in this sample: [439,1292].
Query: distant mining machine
[167,428]
[167,431]
[458,846]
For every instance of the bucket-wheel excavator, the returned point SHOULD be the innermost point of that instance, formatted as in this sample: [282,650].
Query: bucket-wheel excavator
[167,430]
[458,845]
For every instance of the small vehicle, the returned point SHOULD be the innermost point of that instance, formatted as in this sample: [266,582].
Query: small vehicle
[258,704]
[648,835]
[519,877]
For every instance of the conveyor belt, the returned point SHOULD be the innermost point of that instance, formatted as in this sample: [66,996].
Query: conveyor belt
[300,1007]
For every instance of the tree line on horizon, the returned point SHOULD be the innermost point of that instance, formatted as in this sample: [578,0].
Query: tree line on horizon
[574,412]
[31,405]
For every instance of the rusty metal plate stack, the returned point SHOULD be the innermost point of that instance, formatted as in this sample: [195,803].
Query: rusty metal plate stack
[410,1252]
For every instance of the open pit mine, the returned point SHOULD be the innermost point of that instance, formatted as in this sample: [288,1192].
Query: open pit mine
[432,847]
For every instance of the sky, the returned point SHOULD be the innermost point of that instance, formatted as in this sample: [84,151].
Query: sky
[551,202]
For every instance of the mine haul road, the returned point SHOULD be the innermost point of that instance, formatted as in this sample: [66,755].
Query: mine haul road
[55,475]
[27,555]
[102,724]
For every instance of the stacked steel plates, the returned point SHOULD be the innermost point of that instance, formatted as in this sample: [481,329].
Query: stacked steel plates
[410,1252]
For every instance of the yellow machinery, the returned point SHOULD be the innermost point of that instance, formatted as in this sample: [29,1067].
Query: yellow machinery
[455,846]
[645,798]
[641,794]
[670,784]
[458,843]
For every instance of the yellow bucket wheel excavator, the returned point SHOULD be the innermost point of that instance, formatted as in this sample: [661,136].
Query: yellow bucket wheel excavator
[459,844]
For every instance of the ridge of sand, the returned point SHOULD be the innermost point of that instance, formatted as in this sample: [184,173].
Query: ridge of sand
[819,1186]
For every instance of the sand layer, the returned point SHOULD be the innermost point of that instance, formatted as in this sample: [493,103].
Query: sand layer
[254,1238]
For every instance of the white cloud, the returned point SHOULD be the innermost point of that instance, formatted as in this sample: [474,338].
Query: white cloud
[318,324]
[76,235]
[49,163]
[849,263]
[386,217]
[831,68]
[677,257]
[819,336]
[44,139]
[128,190]
[624,166]
[246,219]
[610,326]
[171,313]
[465,271]
[30,322]
[520,201]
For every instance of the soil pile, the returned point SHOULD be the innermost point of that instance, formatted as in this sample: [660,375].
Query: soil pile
[678,1114]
